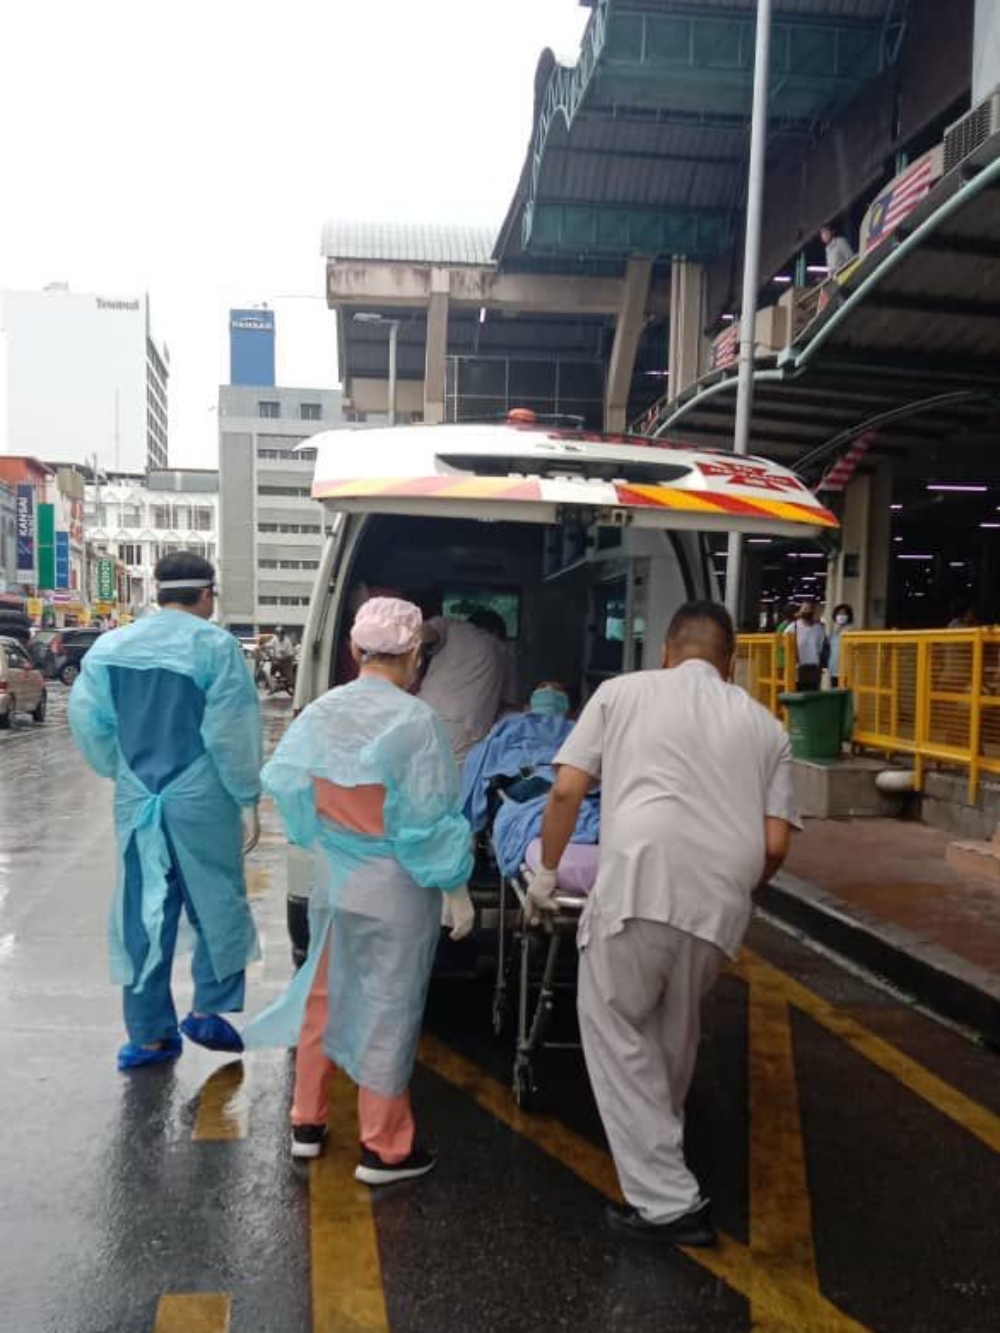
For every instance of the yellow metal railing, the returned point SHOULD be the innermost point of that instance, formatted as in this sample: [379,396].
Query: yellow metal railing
[765,667]
[932,695]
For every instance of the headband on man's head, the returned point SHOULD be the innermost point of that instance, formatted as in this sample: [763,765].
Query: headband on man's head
[185,585]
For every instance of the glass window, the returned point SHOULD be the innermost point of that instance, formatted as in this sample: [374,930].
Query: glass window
[203,518]
[182,516]
[310,412]
[161,516]
[461,603]
[131,516]
[269,409]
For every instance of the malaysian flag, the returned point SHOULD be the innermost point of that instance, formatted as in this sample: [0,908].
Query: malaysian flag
[726,347]
[901,198]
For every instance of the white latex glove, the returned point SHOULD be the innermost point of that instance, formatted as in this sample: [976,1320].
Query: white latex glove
[251,828]
[541,894]
[461,912]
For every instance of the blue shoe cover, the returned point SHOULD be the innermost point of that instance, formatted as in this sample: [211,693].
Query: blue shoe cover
[213,1032]
[134,1056]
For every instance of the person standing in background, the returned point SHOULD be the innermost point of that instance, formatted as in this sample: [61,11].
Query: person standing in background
[838,249]
[843,619]
[810,647]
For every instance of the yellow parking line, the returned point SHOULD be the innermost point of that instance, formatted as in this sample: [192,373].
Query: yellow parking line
[193,1312]
[780,1299]
[962,1110]
[781,1224]
[223,1106]
[347,1294]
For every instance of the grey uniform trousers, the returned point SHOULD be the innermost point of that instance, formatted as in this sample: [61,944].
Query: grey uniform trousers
[639,1002]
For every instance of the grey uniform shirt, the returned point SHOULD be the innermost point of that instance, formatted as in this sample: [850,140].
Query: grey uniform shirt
[689,767]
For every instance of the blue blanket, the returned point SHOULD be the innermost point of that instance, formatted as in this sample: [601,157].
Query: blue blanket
[524,741]
[516,825]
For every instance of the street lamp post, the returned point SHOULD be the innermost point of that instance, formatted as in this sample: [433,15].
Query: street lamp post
[369,317]
[751,279]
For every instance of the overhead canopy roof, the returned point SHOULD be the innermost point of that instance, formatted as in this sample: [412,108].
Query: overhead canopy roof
[911,350]
[640,147]
[407,243]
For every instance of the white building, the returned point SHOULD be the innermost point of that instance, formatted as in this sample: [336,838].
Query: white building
[138,519]
[81,377]
[270,529]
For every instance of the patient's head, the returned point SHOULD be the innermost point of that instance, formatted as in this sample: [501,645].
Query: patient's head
[550,699]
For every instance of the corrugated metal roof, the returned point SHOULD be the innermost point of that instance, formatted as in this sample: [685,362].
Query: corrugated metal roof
[407,243]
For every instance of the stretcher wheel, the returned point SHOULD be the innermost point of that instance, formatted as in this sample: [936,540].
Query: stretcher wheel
[526,1095]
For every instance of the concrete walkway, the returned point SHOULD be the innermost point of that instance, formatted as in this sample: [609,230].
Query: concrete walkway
[880,892]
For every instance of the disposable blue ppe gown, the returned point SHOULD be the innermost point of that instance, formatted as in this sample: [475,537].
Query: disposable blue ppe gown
[167,708]
[380,908]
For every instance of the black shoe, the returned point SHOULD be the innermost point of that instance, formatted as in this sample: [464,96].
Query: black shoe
[694,1228]
[371,1170]
[308,1140]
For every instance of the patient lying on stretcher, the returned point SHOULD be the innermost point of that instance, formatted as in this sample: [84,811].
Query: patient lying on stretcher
[514,762]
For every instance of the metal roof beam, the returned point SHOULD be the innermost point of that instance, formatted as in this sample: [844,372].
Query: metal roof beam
[917,303]
[692,233]
[959,247]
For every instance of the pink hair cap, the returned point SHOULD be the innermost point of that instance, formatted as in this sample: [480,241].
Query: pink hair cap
[387,625]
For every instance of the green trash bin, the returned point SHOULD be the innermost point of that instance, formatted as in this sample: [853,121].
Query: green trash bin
[819,722]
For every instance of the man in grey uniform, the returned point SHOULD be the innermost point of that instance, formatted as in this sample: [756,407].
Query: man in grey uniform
[696,811]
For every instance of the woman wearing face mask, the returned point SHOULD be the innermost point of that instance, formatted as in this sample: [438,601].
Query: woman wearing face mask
[843,619]
[366,776]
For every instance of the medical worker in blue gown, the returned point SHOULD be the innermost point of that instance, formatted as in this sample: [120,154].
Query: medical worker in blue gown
[167,708]
[366,776]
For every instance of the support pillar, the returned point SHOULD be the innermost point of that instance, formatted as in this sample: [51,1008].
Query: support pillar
[687,323]
[628,329]
[435,365]
[985,50]
[860,573]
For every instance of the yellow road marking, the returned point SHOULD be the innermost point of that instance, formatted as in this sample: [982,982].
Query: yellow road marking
[962,1110]
[223,1106]
[258,881]
[347,1294]
[781,1230]
[781,1299]
[193,1312]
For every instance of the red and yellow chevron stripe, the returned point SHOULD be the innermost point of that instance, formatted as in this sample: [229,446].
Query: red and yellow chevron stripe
[639,496]
[712,502]
[453,488]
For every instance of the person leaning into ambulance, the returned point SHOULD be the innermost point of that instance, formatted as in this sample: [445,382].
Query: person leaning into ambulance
[696,811]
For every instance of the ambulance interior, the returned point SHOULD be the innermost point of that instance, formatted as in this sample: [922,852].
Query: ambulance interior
[581,603]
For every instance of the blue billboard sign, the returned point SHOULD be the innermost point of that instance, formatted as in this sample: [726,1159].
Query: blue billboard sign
[62,559]
[25,521]
[251,347]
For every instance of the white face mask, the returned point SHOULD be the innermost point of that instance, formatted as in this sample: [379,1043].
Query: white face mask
[842,620]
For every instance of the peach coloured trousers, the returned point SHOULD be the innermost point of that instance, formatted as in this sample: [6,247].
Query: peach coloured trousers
[385,1123]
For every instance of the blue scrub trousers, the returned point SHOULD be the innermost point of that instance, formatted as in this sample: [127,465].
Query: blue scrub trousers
[150,1015]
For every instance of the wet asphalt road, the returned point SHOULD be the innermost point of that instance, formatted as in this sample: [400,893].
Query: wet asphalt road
[851,1146]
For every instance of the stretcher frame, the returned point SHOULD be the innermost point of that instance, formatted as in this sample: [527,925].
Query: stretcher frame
[514,946]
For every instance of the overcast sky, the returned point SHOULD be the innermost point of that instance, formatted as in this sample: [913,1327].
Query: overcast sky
[194,149]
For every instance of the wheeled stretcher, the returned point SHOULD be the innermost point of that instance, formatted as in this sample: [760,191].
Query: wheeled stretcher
[538,962]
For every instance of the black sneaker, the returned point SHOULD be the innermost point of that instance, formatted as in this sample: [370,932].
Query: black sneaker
[371,1170]
[308,1140]
[694,1228]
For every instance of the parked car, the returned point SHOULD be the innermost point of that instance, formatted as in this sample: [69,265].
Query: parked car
[22,687]
[70,647]
[14,623]
[40,651]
